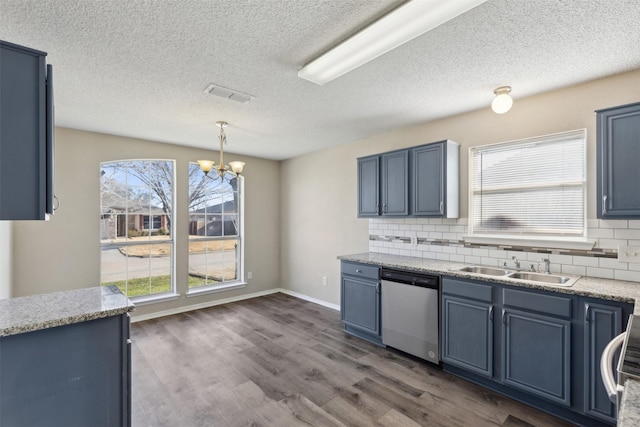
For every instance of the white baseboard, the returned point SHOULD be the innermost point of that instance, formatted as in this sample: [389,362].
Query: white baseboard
[310,299]
[207,304]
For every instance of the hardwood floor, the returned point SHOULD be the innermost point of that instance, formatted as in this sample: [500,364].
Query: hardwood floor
[281,361]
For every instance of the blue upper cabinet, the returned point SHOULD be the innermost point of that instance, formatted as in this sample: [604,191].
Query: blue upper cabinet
[435,178]
[395,183]
[420,181]
[618,133]
[368,186]
[26,134]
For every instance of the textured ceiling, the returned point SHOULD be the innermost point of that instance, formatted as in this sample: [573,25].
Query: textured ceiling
[139,67]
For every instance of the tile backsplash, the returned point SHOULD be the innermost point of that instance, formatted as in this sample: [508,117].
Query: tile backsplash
[442,239]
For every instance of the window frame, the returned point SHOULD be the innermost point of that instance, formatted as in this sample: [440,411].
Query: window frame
[577,240]
[169,239]
[239,282]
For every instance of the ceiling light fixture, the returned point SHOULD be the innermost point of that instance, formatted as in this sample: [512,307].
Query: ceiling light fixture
[222,169]
[405,23]
[502,102]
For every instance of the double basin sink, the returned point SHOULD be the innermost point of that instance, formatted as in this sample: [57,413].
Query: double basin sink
[529,276]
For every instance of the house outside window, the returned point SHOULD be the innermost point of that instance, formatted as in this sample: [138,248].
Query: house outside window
[215,230]
[136,227]
[532,189]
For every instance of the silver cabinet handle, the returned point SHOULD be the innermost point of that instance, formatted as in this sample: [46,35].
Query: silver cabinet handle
[491,314]
[604,204]
[441,207]
[378,288]
[586,313]
[504,316]
[358,271]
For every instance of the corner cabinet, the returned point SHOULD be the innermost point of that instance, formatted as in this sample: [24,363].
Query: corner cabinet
[26,134]
[618,145]
[360,301]
[435,176]
[420,181]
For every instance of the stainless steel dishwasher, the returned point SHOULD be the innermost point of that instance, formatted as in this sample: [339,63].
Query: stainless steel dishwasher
[410,313]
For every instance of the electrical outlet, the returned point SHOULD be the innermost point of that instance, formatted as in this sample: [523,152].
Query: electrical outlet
[414,240]
[629,254]
[249,275]
[324,280]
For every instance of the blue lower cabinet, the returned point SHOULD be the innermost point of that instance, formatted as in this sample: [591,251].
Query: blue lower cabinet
[546,350]
[467,334]
[537,355]
[602,322]
[360,301]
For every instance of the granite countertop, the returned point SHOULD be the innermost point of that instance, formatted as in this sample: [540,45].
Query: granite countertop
[613,290]
[629,415]
[32,313]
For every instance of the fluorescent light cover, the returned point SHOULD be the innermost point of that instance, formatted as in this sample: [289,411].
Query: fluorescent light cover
[407,22]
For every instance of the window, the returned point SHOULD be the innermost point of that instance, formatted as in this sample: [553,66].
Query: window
[151,222]
[532,188]
[136,217]
[215,229]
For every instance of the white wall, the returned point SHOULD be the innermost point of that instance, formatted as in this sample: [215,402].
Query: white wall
[319,189]
[6,259]
[64,253]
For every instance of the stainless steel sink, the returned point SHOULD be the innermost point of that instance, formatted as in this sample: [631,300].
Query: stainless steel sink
[489,271]
[544,278]
[529,276]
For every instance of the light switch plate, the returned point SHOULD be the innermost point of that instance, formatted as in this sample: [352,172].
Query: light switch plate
[629,254]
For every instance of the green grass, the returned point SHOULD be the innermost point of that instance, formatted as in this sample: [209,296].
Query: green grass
[157,285]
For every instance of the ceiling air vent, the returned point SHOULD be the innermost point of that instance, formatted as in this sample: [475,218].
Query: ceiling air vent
[231,94]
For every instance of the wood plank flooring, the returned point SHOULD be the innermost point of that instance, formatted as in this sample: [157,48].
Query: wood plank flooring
[281,361]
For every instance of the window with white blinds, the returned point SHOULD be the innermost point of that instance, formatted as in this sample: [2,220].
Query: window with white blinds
[532,188]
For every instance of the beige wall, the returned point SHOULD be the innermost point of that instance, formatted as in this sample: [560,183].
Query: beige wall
[6,258]
[64,253]
[319,190]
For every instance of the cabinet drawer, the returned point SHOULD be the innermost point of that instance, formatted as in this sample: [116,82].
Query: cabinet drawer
[542,303]
[467,289]
[361,270]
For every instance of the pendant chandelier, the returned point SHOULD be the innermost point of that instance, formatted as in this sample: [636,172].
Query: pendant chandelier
[234,168]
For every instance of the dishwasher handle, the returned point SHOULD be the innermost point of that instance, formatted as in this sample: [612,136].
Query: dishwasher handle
[606,366]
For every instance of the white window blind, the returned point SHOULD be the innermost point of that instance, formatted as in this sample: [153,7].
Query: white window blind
[532,188]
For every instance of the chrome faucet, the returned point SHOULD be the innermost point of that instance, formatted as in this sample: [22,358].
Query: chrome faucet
[547,265]
[515,260]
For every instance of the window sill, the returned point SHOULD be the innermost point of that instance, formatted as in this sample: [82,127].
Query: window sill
[532,242]
[152,299]
[212,289]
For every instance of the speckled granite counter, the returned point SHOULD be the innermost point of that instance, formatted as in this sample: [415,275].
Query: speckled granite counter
[629,415]
[32,313]
[613,290]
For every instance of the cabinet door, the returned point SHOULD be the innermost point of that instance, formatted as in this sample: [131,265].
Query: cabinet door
[467,334]
[536,356]
[71,375]
[360,304]
[368,187]
[618,154]
[395,183]
[603,322]
[23,133]
[428,180]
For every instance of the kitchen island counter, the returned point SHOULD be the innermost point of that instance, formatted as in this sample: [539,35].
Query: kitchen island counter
[37,312]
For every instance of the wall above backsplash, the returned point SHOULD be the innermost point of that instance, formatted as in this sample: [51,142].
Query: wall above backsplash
[442,239]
